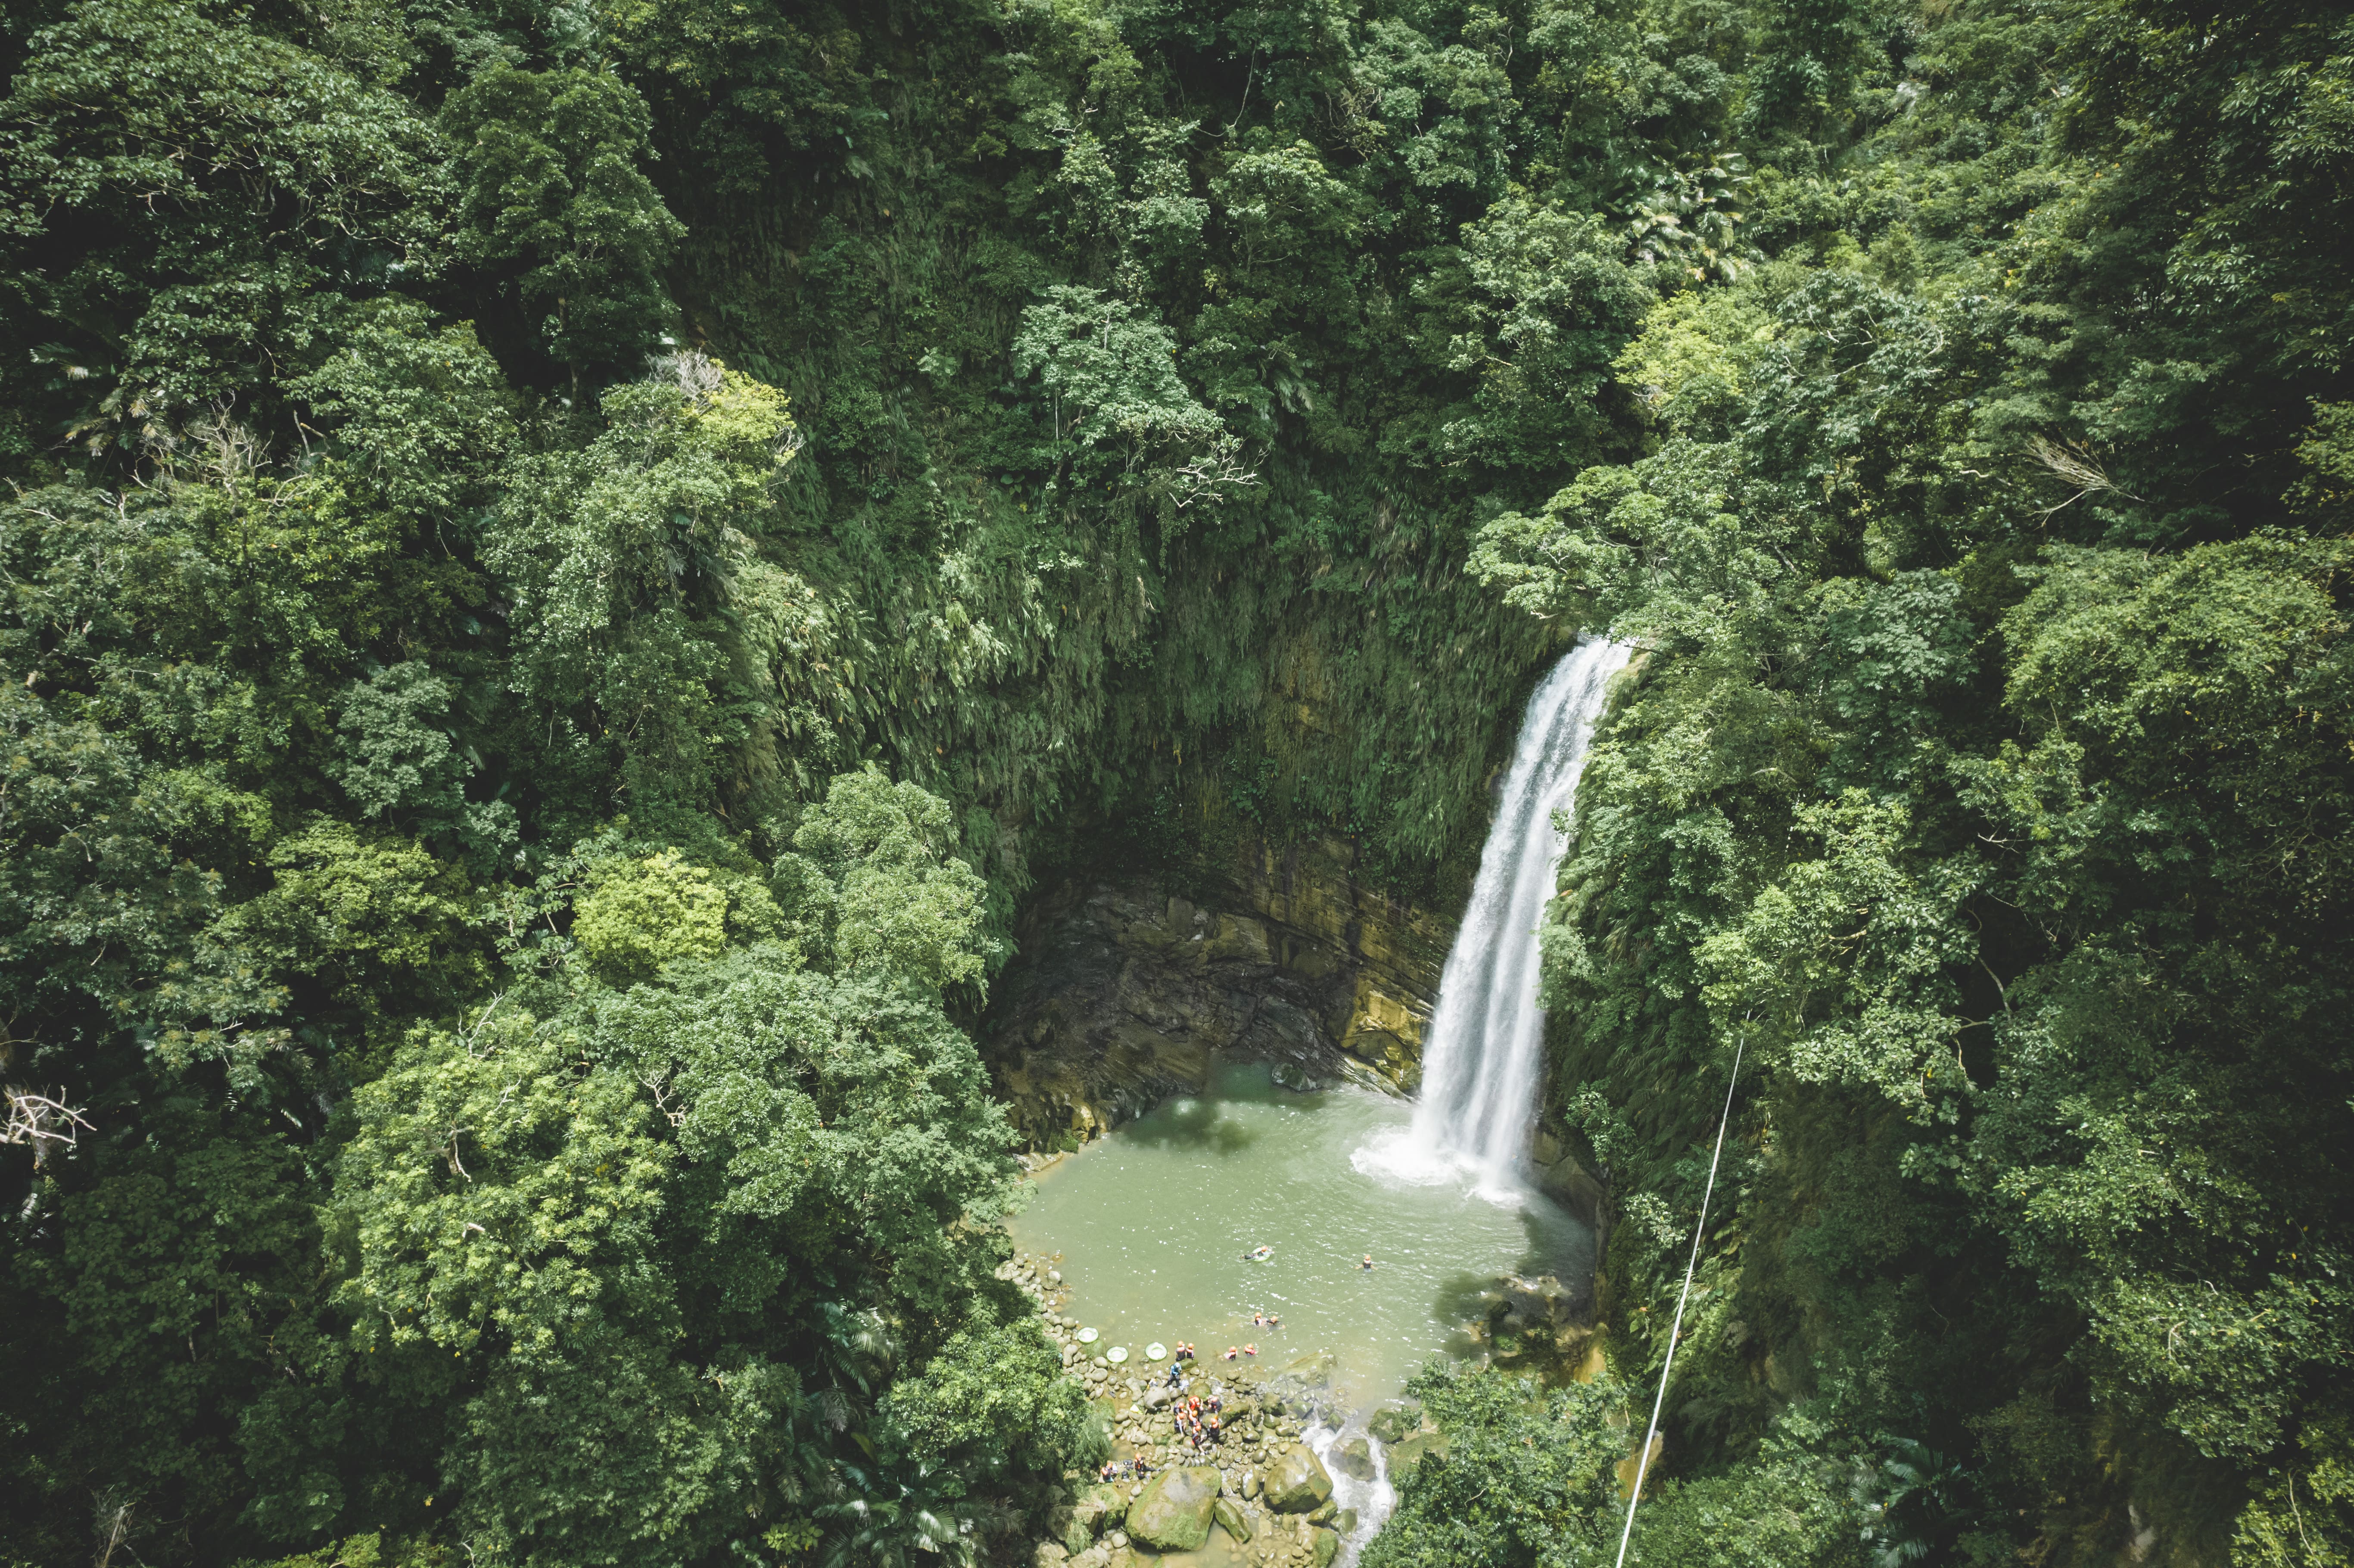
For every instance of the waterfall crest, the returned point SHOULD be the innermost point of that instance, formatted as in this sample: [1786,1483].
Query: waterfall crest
[1485,1052]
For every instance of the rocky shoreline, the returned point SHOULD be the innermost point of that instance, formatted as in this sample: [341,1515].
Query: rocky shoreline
[1264,1487]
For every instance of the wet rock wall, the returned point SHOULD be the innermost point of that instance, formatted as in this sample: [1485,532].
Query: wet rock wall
[1125,992]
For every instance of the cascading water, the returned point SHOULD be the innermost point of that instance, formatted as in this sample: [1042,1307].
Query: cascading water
[1486,1044]
[1159,1218]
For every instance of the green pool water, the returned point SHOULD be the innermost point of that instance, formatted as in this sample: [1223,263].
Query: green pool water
[1153,1221]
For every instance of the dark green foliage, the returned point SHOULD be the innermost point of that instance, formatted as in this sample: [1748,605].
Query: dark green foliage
[548,161]
[567,565]
[1988,777]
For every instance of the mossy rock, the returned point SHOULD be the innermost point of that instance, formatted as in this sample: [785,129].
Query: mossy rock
[1396,1423]
[1174,1511]
[1101,1506]
[1407,1456]
[1327,1546]
[1298,1482]
[1231,1518]
[1354,1460]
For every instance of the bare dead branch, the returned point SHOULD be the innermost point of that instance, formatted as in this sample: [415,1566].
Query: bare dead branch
[2073,464]
[44,1124]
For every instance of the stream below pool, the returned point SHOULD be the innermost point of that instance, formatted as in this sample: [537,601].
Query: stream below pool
[1149,1227]
[1374,1229]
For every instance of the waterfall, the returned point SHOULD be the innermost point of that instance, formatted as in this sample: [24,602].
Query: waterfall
[1485,1051]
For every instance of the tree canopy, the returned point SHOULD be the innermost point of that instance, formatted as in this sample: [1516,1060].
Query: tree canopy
[570,564]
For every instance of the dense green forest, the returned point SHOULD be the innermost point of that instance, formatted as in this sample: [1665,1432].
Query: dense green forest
[568,563]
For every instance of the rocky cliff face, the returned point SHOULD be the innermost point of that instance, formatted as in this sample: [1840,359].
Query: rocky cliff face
[1125,992]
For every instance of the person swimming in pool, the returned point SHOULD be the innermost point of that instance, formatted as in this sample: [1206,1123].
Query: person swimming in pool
[1368,1264]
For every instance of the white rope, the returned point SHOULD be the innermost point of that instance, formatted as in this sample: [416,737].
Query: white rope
[1643,1455]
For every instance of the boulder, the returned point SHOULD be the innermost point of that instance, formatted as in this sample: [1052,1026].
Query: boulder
[1296,1077]
[1158,1396]
[1250,1485]
[1065,1525]
[1324,1512]
[1354,1460]
[1095,1556]
[1397,1422]
[1313,1369]
[1405,1456]
[1326,1546]
[1298,1482]
[1345,1521]
[1101,1506]
[1230,1519]
[1174,1511]
[1537,1315]
[1051,1556]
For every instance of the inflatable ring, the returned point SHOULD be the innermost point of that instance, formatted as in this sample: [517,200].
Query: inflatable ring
[1117,1354]
[1156,1352]
[1089,1336]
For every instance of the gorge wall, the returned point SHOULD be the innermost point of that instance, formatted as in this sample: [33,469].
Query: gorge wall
[1126,991]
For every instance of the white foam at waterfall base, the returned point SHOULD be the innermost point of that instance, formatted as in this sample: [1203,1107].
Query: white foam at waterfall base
[1485,1050]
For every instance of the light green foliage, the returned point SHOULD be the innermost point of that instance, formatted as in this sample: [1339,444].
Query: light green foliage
[872,872]
[1873,1005]
[365,914]
[1121,413]
[2301,1514]
[639,588]
[1694,355]
[998,1397]
[463,772]
[640,915]
[1545,300]
[421,411]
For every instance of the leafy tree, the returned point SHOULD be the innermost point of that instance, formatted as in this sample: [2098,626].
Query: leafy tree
[552,186]
[1527,1475]
[1951,404]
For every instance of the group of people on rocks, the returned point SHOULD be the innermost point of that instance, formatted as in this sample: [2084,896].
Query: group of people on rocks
[1197,1419]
